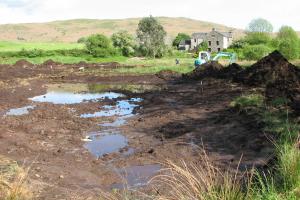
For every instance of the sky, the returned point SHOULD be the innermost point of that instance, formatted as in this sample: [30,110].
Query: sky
[234,13]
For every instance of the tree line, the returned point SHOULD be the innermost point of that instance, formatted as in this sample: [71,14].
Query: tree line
[150,41]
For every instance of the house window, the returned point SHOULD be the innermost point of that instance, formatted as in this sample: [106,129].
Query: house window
[195,40]
[209,49]
[213,36]
[218,43]
[219,49]
[209,43]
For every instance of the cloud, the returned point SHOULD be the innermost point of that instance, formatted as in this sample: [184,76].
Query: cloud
[234,13]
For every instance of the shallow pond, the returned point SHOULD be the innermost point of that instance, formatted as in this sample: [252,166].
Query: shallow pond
[101,143]
[122,108]
[136,176]
[59,97]
[19,111]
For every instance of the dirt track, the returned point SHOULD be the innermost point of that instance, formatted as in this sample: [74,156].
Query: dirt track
[169,123]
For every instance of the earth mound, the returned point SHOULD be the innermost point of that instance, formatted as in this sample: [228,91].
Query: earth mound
[213,69]
[230,72]
[280,78]
[168,74]
[209,69]
[23,63]
[50,62]
[270,69]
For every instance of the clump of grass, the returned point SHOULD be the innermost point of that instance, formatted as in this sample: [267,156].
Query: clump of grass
[13,181]
[284,181]
[202,181]
[247,101]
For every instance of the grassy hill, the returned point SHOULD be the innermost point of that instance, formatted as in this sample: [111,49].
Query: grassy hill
[71,30]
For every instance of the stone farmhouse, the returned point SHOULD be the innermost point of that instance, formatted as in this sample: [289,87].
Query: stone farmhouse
[217,41]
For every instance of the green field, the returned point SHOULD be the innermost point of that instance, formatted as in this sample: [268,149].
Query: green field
[7,46]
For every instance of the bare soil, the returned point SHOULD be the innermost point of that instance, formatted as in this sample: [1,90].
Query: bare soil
[169,125]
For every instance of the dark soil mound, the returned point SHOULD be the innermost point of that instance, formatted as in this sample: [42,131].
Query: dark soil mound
[230,72]
[281,78]
[214,69]
[209,69]
[50,62]
[168,74]
[270,69]
[23,63]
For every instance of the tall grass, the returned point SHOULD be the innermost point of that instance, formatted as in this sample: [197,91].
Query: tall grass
[13,181]
[203,181]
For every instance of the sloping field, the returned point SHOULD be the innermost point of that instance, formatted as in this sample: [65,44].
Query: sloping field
[18,46]
[72,30]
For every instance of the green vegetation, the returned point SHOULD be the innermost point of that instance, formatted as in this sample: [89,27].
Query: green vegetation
[99,45]
[284,179]
[288,42]
[258,42]
[260,25]
[179,38]
[151,36]
[123,41]
[6,46]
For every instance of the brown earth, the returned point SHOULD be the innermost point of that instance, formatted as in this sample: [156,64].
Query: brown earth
[274,72]
[169,124]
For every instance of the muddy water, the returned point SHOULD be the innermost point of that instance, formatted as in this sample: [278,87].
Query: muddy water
[136,176]
[101,144]
[109,139]
[122,108]
[19,111]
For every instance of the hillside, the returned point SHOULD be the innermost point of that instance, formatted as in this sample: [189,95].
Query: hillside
[71,30]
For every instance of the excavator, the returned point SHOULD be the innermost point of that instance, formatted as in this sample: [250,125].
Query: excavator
[205,57]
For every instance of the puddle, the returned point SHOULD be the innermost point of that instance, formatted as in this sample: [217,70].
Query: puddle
[19,111]
[136,176]
[107,141]
[101,144]
[122,108]
[59,97]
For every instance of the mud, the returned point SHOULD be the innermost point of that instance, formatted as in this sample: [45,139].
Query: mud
[280,78]
[168,121]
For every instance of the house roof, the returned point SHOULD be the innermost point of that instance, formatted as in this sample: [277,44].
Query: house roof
[226,34]
[203,35]
[199,35]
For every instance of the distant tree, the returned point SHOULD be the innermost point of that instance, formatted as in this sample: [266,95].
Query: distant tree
[179,38]
[286,32]
[124,41]
[288,42]
[254,38]
[151,36]
[100,46]
[255,52]
[260,25]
